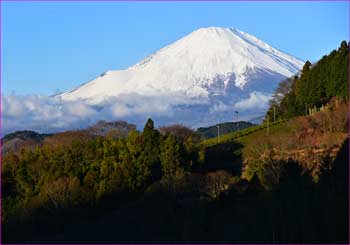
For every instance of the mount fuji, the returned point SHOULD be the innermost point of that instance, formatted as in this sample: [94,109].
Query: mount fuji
[198,80]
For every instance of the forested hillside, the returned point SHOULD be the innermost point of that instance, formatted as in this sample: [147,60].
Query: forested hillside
[72,179]
[316,85]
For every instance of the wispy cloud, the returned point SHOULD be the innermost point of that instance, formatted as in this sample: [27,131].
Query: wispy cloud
[256,100]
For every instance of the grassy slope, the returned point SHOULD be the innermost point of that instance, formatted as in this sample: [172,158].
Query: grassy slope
[227,153]
[284,137]
[243,135]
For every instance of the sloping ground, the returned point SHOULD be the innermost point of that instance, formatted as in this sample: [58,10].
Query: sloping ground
[21,139]
[230,137]
[226,152]
[224,128]
[311,141]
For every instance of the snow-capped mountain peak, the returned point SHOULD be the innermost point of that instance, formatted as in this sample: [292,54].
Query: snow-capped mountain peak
[208,59]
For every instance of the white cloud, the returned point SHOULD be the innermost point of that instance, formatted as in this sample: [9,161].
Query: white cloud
[50,114]
[42,113]
[219,107]
[256,100]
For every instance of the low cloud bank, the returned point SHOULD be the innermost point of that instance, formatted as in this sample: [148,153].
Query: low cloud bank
[43,113]
[51,114]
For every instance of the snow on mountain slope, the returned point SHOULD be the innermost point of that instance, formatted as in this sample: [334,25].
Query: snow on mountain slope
[208,62]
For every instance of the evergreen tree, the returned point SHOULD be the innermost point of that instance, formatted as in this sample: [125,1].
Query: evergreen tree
[316,85]
[149,163]
[172,156]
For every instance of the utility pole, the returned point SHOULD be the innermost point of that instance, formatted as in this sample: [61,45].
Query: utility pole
[236,114]
[268,119]
[274,114]
[218,126]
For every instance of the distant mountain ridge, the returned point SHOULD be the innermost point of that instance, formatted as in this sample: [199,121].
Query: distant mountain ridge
[21,139]
[224,128]
[26,139]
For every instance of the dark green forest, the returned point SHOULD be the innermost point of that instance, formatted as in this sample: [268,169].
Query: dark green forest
[71,181]
[315,86]
[285,185]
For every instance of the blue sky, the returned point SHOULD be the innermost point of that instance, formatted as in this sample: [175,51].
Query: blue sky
[50,46]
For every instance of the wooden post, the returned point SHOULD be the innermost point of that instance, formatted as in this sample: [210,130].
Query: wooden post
[218,126]
[268,119]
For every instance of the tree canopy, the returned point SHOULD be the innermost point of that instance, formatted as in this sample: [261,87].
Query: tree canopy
[314,86]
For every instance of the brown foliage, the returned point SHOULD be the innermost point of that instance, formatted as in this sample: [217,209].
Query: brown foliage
[181,132]
[335,118]
[312,141]
[217,182]
[62,193]
[67,137]
[115,129]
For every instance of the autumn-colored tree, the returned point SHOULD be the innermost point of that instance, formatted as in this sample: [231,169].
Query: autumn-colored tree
[181,132]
